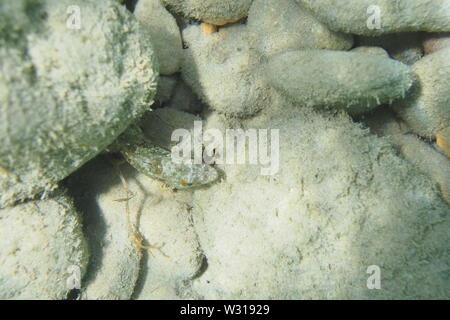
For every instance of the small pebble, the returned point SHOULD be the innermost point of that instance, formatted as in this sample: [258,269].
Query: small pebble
[223,70]
[378,51]
[443,141]
[208,28]
[426,109]
[436,41]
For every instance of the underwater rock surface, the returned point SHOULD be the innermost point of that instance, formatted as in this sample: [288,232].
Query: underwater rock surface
[164,34]
[218,12]
[276,149]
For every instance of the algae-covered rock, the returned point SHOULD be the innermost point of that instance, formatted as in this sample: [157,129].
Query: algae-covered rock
[70,84]
[375,17]
[43,253]
[352,81]
[426,109]
[342,202]
[218,12]
[312,206]
[223,70]
[165,35]
[281,25]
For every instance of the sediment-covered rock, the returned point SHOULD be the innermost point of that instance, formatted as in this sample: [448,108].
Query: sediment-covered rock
[281,25]
[351,81]
[375,17]
[54,115]
[164,34]
[426,109]
[43,253]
